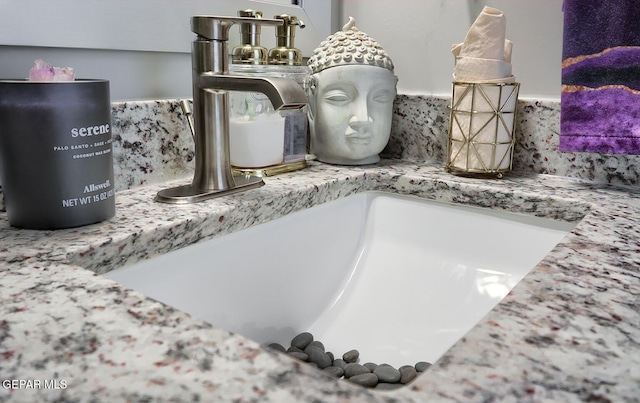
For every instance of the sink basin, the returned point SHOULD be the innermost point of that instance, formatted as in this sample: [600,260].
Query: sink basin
[399,278]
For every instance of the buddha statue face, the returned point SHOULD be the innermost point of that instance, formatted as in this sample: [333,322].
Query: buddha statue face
[351,92]
[350,111]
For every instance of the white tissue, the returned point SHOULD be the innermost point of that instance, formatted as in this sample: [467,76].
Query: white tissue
[485,54]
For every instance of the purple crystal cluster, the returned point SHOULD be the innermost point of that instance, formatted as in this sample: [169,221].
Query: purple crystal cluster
[43,71]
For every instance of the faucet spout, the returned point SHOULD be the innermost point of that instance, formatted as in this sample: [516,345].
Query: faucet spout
[283,93]
[213,176]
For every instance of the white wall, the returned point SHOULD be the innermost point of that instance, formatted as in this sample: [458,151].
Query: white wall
[418,35]
[131,74]
[142,46]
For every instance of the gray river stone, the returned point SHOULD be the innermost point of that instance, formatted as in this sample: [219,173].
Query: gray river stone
[407,374]
[353,369]
[302,340]
[334,371]
[422,366]
[317,343]
[318,356]
[386,373]
[351,356]
[370,365]
[368,379]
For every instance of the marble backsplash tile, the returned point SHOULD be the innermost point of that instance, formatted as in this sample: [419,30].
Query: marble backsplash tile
[420,132]
[537,150]
[152,142]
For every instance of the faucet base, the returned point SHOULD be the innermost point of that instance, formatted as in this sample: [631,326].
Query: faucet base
[189,194]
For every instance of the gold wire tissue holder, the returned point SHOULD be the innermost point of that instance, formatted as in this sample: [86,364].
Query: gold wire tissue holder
[482,128]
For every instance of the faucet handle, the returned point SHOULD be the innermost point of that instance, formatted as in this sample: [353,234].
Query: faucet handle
[217,27]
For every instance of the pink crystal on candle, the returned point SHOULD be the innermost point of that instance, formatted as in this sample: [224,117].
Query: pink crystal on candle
[43,71]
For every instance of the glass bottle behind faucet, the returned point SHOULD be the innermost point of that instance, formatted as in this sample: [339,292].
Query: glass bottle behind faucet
[263,141]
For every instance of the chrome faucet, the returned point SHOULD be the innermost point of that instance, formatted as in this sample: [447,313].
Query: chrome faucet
[213,176]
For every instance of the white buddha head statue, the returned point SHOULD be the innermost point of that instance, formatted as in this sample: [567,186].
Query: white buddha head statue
[351,90]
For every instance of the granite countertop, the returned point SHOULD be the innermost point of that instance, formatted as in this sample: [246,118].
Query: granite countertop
[570,331]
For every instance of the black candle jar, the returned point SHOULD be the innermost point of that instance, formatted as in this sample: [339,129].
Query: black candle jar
[56,163]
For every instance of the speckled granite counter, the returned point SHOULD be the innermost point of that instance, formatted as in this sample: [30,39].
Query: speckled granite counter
[570,331]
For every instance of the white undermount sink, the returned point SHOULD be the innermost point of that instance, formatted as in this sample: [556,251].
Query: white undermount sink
[399,278]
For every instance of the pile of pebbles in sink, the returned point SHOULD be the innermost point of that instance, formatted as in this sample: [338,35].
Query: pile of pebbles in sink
[380,376]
